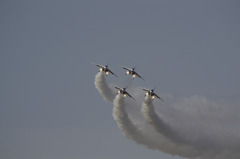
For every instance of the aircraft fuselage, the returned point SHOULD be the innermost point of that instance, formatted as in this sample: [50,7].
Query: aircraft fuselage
[150,93]
[123,92]
[131,72]
[104,69]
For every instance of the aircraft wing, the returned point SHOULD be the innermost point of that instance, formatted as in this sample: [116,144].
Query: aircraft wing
[112,73]
[98,65]
[158,97]
[117,88]
[130,95]
[129,69]
[139,76]
[146,90]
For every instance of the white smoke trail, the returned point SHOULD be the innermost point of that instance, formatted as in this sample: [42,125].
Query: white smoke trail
[152,118]
[124,123]
[103,88]
[149,140]
[210,138]
[192,127]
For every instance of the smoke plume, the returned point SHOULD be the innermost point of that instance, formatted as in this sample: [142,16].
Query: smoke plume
[193,127]
[105,91]
[140,135]
[124,123]
[198,123]
[152,118]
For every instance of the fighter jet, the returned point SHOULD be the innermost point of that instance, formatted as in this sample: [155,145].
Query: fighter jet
[104,69]
[151,93]
[132,72]
[123,92]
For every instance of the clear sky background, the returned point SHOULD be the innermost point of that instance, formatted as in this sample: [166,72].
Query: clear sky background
[49,106]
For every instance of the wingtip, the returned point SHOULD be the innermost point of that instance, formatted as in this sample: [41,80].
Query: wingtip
[162,99]
[133,98]
[144,89]
[116,87]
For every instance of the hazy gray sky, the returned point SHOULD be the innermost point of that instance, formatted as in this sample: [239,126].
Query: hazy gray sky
[50,108]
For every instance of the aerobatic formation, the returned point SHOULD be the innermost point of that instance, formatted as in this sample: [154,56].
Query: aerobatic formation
[194,127]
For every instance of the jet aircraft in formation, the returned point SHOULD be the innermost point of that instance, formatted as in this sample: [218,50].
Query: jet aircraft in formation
[123,92]
[133,73]
[104,69]
[152,93]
